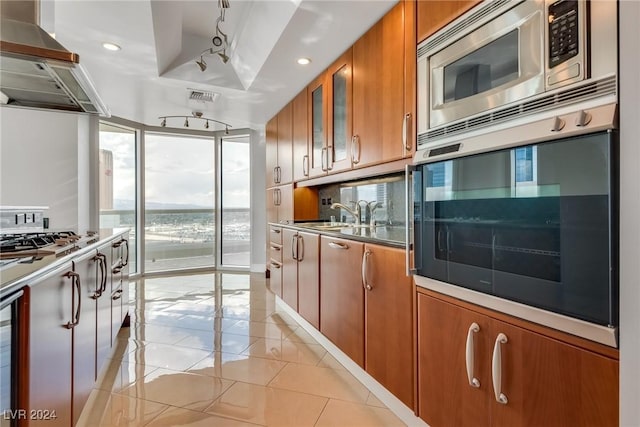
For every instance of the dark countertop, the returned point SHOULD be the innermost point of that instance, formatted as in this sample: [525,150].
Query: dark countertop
[17,275]
[385,235]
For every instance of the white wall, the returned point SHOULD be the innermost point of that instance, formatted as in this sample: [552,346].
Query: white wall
[629,214]
[258,202]
[44,161]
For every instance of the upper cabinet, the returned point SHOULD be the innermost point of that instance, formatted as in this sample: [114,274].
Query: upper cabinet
[279,140]
[381,117]
[316,123]
[339,76]
[300,137]
[435,14]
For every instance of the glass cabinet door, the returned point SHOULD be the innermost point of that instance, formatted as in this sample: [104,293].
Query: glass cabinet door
[318,155]
[340,113]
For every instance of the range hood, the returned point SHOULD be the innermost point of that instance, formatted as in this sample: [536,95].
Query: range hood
[37,71]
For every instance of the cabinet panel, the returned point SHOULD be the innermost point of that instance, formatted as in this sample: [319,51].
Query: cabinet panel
[340,103]
[116,310]
[550,383]
[342,295]
[317,117]
[435,14]
[84,333]
[378,91]
[410,77]
[309,278]
[285,203]
[103,315]
[285,145]
[444,394]
[290,267]
[52,307]
[275,277]
[389,321]
[271,131]
[300,137]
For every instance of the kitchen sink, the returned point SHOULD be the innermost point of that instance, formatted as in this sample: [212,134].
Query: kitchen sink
[332,227]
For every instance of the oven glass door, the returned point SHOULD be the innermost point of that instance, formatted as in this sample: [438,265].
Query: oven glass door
[533,224]
[499,63]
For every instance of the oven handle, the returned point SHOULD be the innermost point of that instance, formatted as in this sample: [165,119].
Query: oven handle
[6,301]
[408,228]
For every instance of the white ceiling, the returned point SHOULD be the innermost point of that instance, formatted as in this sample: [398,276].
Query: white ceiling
[161,39]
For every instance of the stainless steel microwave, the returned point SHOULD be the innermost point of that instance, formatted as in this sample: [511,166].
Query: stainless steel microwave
[505,61]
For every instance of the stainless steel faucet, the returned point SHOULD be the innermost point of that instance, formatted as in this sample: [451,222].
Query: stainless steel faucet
[354,212]
[372,206]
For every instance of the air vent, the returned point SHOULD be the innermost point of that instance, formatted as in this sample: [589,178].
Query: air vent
[202,96]
[444,150]
[459,29]
[587,91]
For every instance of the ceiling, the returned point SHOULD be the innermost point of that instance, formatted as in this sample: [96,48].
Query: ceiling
[153,73]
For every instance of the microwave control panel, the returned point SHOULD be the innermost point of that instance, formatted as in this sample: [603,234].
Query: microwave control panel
[563,31]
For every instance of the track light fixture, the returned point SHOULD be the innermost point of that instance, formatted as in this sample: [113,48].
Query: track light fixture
[219,40]
[195,115]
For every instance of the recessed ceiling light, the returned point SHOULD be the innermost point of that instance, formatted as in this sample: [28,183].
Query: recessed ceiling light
[110,46]
[304,61]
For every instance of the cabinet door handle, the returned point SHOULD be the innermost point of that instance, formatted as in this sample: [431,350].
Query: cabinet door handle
[305,165]
[275,264]
[98,292]
[106,276]
[300,241]
[355,143]
[275,230]
[329,157]
[365,262]
[323,159]
[275,248]
[336,245]
[469,359]
[406,127]
[75,280]
[117,295]
[125,259]
[496,369]
[294,247]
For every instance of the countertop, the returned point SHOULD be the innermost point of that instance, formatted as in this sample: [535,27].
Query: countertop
[387,235]
[20,274]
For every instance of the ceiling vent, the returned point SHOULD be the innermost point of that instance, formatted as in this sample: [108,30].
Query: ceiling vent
[202,95]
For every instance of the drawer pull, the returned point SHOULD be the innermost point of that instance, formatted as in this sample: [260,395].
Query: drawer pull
[336,245]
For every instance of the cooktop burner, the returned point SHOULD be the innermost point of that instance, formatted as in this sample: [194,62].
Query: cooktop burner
[29,241]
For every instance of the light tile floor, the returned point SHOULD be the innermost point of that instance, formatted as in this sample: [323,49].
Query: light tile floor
[213,350]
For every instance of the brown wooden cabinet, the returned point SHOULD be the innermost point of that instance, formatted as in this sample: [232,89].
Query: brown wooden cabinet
[342,295]
[300,137]
[543,381]
[435,14]
[389,320]
[380,118]
[275,259]
[103,309]
[279,147]
[301,273]
[280,203]
[317,126]
[340,113]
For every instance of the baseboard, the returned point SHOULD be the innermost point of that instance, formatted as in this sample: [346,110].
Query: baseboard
[394,404]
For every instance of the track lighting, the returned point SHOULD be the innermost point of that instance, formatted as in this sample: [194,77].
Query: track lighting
[219,40]
[202,64]
[195,115]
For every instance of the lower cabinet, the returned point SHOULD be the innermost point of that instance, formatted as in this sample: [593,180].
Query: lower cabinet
[275,260]
[476,370]
[301,273]
[389,328]
[342,295]
[53,310]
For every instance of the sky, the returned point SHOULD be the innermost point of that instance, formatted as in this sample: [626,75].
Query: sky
[180,170]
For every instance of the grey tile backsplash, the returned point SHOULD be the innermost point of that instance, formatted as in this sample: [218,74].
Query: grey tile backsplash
[388,191]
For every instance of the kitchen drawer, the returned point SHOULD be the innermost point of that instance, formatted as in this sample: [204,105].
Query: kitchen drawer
[275,234]
[275,252]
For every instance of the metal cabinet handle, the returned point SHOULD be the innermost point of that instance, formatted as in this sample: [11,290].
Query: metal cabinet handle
[323,158]
[469,359]
[329,157]
[117,295]
[125,259]
[300,253]
[408,230]
[365,262]
[336,245]
[406,140]
[75,279]
[496,369]
[275,264]
[294,247]
[106,276]
[355,142]
[98,292]
[117,244]
[117,269]
[275,248]
[275,230]
[305,165]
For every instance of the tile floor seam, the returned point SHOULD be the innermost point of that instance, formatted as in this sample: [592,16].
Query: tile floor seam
[322,412]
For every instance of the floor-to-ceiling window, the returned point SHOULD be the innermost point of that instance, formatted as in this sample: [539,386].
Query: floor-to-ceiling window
[235,201]
[179,193]
[117,182]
